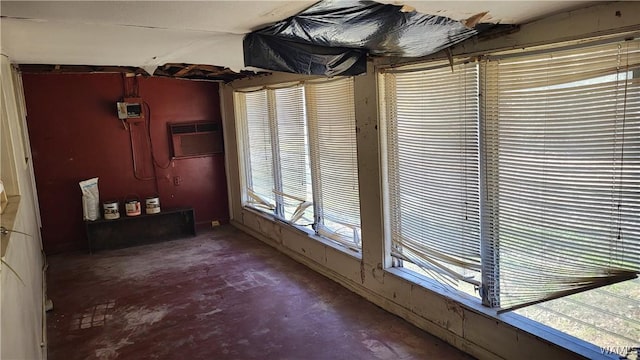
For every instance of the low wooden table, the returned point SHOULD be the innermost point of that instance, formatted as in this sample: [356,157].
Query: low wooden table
[142,229]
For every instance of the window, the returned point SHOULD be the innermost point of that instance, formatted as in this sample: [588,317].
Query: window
[293,191]
[300,156]
[258,148]
[519,176]
[563,149]
[277,161]
[432,162]
[10,112]
[333,124]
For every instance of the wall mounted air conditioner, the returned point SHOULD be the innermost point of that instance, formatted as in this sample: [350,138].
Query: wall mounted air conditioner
[199,138]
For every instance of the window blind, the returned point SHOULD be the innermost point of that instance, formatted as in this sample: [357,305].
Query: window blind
[562,147]
[432,168]
[295,195]
[254,110]
[332,125]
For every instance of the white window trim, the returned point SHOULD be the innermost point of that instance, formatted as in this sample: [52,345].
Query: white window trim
[356,255]
[520,322]
[242,134]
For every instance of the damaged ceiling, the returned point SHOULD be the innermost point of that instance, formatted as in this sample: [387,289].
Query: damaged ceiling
[178,71]
[182,38]
[335,37]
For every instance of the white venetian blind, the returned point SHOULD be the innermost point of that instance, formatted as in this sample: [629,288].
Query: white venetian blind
[563,172]
[253,108]
[296,195]
[432,148]
[332,123]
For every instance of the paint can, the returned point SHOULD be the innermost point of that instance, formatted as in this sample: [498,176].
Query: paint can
[111,210]
[132,207]
[152,205]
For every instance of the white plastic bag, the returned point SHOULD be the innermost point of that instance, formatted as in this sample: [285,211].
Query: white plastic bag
[90,199]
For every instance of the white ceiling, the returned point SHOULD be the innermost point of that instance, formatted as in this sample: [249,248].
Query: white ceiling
[151,33]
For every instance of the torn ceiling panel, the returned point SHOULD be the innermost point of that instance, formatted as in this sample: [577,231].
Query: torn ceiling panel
[382,29]
[200,72]
[179,71]
[271,53]
[366,26]
[65,69]
[149,34]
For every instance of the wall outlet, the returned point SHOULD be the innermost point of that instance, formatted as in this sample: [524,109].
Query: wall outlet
[177,180]
[215,223]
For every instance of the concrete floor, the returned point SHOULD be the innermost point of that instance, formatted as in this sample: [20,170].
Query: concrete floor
[219,295]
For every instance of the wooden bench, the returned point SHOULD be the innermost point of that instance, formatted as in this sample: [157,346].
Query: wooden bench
[142,229]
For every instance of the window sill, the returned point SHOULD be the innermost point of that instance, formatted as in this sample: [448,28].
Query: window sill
[520,322]
[309,233]
[7,220]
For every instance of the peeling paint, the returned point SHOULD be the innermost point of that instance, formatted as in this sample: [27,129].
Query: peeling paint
[454,307]
[378,273]
[472,21]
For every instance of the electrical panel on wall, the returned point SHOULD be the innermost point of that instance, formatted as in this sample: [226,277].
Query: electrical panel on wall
[130,108]
[195,139]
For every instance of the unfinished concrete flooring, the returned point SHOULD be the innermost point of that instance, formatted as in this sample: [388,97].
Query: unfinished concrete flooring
[219,295]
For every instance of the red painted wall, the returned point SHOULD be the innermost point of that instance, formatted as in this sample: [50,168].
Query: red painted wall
[75,135]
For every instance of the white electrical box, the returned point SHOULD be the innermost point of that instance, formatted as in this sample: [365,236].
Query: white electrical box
[130,108]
